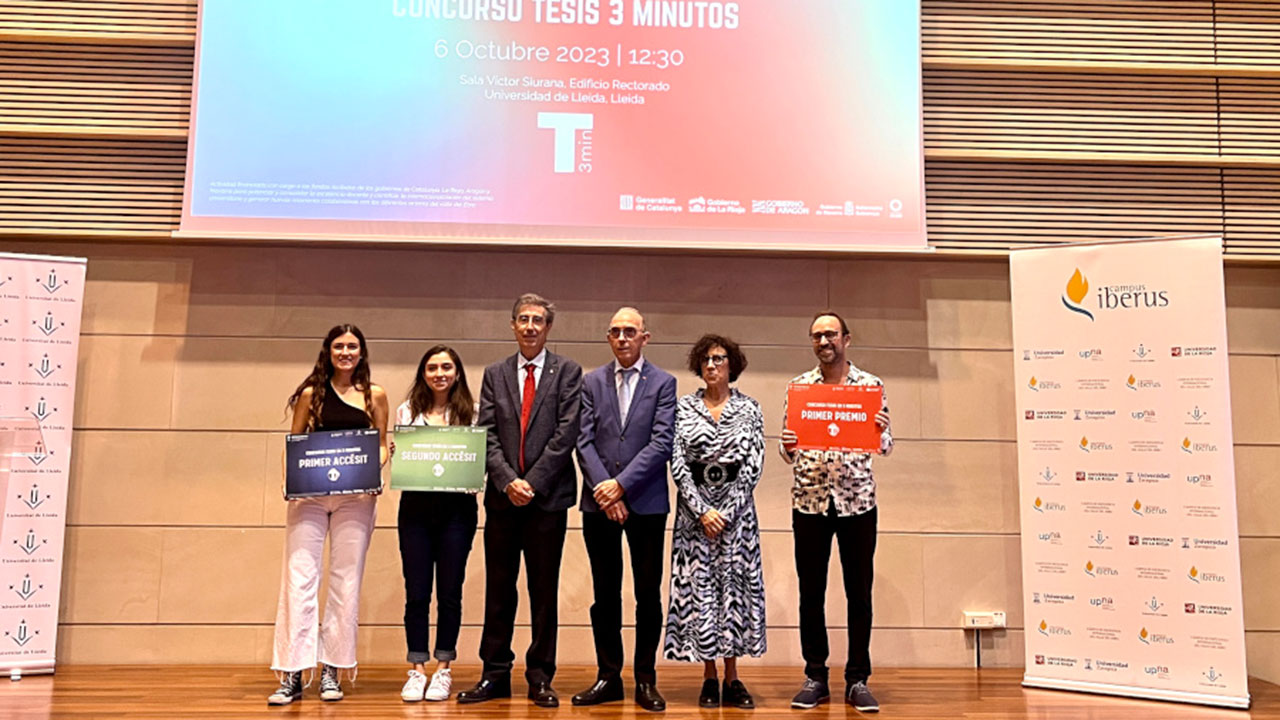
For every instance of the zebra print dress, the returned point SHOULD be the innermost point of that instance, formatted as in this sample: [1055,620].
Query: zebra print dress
[717,586]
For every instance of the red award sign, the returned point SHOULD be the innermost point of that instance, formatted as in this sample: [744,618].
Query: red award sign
[834,417]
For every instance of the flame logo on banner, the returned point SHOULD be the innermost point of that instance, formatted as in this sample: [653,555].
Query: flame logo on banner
[1077,290]
[1033,382]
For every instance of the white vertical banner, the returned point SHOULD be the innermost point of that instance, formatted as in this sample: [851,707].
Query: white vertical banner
[40,306]
[1130,546]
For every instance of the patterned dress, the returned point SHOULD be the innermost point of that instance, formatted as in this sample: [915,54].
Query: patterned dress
[717,586]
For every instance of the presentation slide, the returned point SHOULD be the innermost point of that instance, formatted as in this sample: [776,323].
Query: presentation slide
[669,123]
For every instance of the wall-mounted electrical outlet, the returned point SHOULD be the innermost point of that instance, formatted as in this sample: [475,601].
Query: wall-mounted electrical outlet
[987,619]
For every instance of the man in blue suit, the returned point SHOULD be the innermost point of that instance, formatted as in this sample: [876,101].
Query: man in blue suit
[627,427]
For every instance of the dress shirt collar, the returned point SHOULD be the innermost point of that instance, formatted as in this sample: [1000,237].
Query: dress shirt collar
[638,366]
[538,361]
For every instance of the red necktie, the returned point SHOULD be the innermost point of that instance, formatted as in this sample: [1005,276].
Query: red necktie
[526,409]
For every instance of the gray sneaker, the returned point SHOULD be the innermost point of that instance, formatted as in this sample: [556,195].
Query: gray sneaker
[861,698]
[812,694]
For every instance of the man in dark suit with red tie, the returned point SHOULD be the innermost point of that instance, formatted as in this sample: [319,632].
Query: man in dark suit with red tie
[628,425]
[530,404]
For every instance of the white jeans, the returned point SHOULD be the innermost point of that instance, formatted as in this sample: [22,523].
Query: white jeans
[348,520]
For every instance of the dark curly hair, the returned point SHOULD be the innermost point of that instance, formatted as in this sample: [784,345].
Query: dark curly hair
[698,355]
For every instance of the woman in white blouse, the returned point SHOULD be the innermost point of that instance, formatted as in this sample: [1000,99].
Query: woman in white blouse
[436,530]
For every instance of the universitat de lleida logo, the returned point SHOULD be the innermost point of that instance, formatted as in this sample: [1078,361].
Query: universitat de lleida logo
[1109,297]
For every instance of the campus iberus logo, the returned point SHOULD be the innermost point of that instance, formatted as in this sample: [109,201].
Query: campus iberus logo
[1076,296]
[1077,291]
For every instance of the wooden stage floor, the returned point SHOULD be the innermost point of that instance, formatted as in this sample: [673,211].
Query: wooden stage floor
[166,691]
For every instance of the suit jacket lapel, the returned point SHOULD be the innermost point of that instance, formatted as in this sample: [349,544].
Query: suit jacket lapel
[511,375]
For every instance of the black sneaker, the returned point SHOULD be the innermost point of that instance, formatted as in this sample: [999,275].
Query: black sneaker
[812,694]
[861,698]
[330,688]
[734,694]
[710,695]
[290,689]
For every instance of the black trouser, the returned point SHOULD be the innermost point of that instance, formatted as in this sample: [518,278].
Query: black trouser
[539,535]
[436,530]
[646,538]
[856,536]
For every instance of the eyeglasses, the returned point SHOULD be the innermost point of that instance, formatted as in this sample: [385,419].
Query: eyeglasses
[534,320]
[629,333]
[715,360]
[829,336]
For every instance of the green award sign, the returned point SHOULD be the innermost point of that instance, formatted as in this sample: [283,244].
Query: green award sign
[439,458]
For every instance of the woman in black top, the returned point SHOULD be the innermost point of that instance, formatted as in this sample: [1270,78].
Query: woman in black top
[337,395]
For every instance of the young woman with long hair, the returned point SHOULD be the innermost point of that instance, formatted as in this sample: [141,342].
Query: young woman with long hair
[337,395]
[436,530]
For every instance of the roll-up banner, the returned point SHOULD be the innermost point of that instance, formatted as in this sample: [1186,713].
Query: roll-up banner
[40,304]
[1130,545]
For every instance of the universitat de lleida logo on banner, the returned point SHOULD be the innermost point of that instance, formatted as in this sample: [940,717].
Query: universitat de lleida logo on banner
[1077,299]
[45,339]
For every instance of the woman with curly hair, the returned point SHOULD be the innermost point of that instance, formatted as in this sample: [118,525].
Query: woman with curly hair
[337,395]
[717,577]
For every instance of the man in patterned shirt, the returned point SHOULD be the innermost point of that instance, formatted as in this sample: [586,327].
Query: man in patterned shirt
[834,494]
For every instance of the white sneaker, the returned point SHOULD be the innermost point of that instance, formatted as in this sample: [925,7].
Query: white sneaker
[414,687]
[441,684]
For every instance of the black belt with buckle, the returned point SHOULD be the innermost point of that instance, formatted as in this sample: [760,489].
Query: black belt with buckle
[714,474]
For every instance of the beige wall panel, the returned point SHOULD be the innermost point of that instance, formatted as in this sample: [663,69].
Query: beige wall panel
[1259,570]
[166,478]
[233,291]
[948,487]
[111,575]
[1257,492]
[134,295]
[225,575]
[125,382]
[274,506]
[441,293]
[969,396]
[902,303]
[238,383]
[1262,655]
[971,573]
[1255,399]
[161,644]
[1253,309]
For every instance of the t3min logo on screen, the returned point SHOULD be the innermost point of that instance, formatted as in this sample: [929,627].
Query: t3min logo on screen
[572,149]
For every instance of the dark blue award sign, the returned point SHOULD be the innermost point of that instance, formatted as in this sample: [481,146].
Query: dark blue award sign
[333,462]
